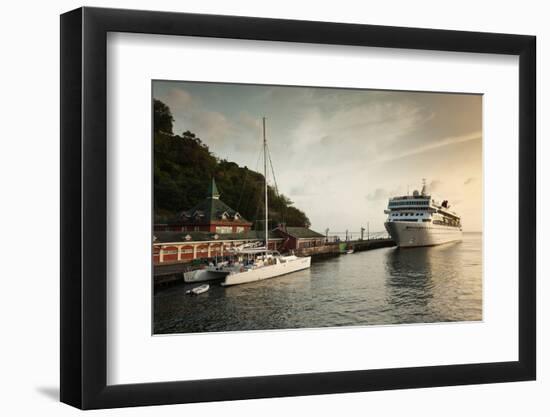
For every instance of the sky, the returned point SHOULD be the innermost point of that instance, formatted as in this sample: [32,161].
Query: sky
[339,154]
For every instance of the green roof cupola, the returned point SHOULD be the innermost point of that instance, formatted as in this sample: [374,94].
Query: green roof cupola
[213,190]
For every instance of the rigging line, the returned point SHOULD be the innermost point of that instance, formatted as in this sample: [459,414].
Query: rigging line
[272,170]
[258,204]
[244,182]
[283,204]
[251,194]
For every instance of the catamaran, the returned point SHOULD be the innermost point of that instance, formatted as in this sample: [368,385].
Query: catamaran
[262,263]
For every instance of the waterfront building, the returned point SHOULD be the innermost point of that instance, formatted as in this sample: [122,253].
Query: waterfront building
[296,238]
[179,247]
[210,215]
[213,229]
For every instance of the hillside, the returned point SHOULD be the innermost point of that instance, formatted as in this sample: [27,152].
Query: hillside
[184,166]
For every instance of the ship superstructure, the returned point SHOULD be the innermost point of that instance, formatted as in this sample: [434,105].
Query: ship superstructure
[420,220]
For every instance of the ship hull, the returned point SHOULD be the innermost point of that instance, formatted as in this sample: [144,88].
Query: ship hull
[414,234]
[266,272]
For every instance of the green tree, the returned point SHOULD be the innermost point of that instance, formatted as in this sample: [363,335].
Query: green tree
[184,166]
[162,118]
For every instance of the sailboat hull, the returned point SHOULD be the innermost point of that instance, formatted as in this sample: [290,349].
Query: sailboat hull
[202,275]
[268,271]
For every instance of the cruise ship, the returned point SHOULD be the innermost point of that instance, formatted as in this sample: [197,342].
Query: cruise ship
[419,220]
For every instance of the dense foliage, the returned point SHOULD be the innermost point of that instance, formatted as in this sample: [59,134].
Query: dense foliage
[184,167]
[163,118]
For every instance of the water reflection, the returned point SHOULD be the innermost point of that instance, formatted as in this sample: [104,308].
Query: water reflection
[409,282]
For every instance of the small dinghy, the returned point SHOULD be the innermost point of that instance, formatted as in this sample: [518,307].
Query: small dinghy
[198,290]
[349,251]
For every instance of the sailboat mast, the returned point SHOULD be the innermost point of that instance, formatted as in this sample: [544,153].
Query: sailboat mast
[265,189]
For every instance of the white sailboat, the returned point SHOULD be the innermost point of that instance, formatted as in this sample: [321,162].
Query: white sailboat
[265,263]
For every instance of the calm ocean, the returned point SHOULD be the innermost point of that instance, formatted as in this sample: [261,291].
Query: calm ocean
[382,286]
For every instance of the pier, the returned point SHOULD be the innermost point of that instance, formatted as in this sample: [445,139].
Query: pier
[362,245]
[338,248]
[169,274]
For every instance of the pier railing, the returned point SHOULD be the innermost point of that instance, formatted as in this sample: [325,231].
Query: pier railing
[353,236]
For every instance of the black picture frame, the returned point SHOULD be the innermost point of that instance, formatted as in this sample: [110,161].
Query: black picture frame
[84,207]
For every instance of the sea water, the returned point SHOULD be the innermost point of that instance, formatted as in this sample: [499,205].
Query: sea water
[377,287]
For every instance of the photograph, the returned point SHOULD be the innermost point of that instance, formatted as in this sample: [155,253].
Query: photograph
[282,207]
[293,208]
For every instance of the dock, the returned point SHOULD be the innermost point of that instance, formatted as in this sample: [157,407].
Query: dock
[169,274]
[362,245]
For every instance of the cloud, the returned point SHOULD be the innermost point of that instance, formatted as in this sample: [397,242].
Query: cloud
[215,128]
[354,132]
[298,191]
[249,122]
[448,141]
[378,194]
[212,126]
[434,185]
[178,99]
